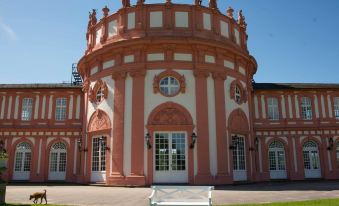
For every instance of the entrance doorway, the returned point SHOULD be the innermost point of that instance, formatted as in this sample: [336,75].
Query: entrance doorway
[311,160]
[22,164]
[57,162]
[239,158]
[98,159]
[170,157]
[276,155]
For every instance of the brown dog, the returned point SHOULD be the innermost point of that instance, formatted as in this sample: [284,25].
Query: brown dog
[37,195]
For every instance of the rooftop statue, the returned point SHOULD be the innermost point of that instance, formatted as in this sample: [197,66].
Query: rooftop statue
[229,12]
[94,17]
[126,3]
[140,2]
[241,20]
[213,4]
[198,2]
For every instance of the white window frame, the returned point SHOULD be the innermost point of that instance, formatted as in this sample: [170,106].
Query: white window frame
[60,109]
[336,107]
[99,96]
[27,109]
[237,94]
[273,108]
[171,88]
[306,108]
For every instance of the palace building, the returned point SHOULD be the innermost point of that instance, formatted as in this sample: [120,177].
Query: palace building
[168,97]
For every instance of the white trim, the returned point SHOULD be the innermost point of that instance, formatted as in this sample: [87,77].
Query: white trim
[9,107]
[212,126]
[128,126]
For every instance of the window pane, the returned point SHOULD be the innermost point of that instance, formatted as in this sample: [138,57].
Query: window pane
[61,106]
[336,107]
[306,108]
[273,109]
[27,106]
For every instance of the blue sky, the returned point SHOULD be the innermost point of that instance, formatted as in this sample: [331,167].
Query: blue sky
[292,40]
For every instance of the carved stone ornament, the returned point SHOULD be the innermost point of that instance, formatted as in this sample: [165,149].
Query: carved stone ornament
[213,4]
[198,2]
[241,20]
[86,86]
[170,114]
[229,12]
[169,73]
[238,122]
[99,121]
[126,3]
[243,94]
[140,2]
[98,85]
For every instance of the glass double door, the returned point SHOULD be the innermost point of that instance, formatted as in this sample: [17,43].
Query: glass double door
[170,157]
[98,160]
[239,158]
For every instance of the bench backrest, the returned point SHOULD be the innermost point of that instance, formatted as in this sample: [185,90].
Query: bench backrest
[181,193]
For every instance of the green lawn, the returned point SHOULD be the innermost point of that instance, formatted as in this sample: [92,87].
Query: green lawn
[324,202]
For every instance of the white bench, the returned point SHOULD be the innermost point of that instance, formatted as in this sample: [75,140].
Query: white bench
[181,195]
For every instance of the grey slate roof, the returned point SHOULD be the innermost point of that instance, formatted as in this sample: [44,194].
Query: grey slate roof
[284,86]
[39,86]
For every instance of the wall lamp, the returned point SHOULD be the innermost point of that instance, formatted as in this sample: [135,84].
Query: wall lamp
[148,141]
[102,142]
[330,143]
[80,146]
[194,139]
[234,145]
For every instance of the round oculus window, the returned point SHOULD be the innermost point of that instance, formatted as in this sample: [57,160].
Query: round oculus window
[169,86]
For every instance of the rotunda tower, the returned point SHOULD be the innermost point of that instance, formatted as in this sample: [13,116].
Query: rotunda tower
[167,96]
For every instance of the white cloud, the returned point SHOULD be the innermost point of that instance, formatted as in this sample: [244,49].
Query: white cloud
[8,30]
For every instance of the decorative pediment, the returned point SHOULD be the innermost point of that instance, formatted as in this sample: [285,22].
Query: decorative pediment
[170,114]
[238,122]
[99,121]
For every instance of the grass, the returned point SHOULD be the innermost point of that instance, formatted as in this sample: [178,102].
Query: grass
[323,202]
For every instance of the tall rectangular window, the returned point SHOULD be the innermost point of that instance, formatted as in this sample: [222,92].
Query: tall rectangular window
[273,108]
[207,21]
[131,20]
[336,107]
[181,19]
[155,19]
[27,107]
[306,108]
[60,110]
